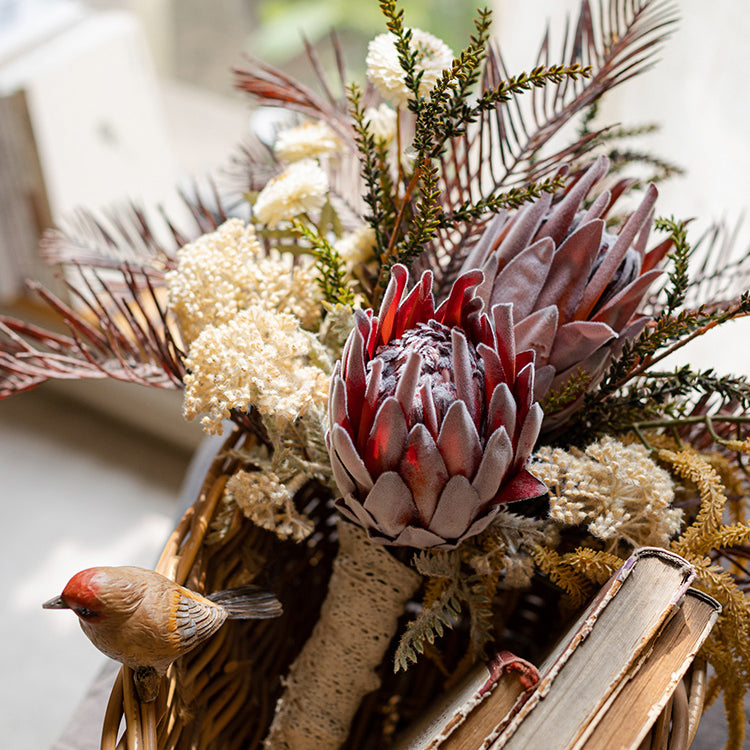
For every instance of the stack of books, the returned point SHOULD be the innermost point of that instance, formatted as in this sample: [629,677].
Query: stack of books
[605,684]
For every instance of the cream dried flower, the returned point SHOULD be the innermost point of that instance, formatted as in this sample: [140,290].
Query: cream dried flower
[382,122]
[615,490]
[386,74]
[309,140]
[223,272]
[259,358]
[267,502]
[301,187]
[358,247]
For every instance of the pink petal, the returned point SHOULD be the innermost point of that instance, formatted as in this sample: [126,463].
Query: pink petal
[462,376]
[407,384]
[537,332]
[523,486]
[367,325]
[558,224]
[529,434]
[353,510]
[571,268]
[502,410]
[656,255]
[413,536]
[594,365]
[346,507]
[390,303]
[620,309]
[482,250]
[369,404]
[521,281]
[450,312]
[350,460]
[387,439]
[523,229]
[597,209]
[502,319]
[424,471]
[498,455]
[523,390]
[493,369]
[456,509]
[484,290]
[353,372]
[577,341]
[614,257]
[429,412]
[337,412]
[418,307]
[458,441]
[341,476]
[390,504]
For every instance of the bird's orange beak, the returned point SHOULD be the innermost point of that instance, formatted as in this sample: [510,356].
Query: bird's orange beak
[56,602]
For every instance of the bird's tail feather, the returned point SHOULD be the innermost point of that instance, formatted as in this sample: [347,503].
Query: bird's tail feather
[248,602]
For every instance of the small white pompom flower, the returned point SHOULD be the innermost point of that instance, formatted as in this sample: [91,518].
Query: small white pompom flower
[386,74]
[308,140]
[382,123]
[301,187]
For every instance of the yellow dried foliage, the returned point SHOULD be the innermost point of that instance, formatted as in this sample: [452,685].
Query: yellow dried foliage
[728,647]
[575,585]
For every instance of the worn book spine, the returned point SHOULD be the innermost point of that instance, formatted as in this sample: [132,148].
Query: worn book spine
[653,683]
[589,666]
[479,706]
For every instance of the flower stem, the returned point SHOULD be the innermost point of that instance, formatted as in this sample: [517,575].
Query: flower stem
[337,666]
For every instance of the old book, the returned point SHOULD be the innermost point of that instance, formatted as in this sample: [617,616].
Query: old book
[590,665]
[475,709]
[650,687]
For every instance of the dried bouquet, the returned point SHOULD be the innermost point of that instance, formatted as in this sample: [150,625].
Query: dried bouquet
[433,318]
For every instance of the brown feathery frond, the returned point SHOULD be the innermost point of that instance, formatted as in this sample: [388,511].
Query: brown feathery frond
[721,271]
[507,145]
[122,331]
[128,234]
[271,87]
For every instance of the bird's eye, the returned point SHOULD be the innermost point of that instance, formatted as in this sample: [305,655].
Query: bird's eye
[85,612]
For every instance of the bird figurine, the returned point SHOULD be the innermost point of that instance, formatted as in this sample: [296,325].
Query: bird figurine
[146,621]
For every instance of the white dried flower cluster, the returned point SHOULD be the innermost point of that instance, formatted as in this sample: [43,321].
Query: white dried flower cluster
[223,272]
[386,74]
[616,491]
[259,357]
[382,123]
[301,187]
[357,247]
[267,502]
[306,141]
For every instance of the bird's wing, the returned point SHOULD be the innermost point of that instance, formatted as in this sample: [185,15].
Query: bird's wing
[196,619]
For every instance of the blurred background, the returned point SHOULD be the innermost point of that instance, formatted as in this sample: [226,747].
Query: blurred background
[107,100]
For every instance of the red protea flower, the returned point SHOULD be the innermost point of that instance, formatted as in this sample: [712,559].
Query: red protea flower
[432,416]
[575,285]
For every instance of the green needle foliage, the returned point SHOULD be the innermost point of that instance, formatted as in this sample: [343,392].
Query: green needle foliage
[329,265]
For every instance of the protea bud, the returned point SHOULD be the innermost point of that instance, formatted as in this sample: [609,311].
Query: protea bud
[432,416]
[575,286]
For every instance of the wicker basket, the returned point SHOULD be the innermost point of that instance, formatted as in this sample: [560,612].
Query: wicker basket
[223,694]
